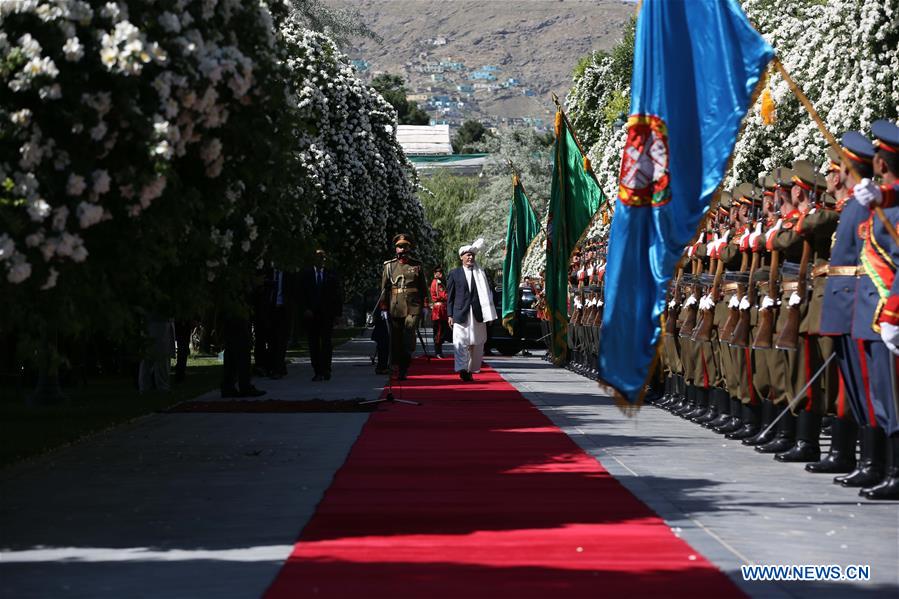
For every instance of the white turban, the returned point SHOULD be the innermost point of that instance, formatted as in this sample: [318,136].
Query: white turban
[474,248]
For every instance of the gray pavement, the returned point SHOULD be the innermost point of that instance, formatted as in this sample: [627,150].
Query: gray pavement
[734,506]
[209,505]
[180,505]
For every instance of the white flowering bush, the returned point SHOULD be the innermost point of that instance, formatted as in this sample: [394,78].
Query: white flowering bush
[844,54]
[143,147]
[360,182]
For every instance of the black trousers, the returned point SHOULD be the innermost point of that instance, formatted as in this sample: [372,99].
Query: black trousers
[441,334]
[262,329]
[183,329]
[236,371]
[319,330]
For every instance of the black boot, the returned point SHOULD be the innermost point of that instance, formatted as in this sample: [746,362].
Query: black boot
[807,448]
[841,457]
[723,401]
[687,403]
[736,422]
[702,404]
[869,470]
[786,436]
[750,413]
[712,412]
[769,413]
[889,486]
[669,385]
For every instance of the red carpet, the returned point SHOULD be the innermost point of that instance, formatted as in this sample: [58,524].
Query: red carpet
[477,494]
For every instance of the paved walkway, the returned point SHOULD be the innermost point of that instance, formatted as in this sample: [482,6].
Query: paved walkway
[180,505]
[731,504]
[209,505]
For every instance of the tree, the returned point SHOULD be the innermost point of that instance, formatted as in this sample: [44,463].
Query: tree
[469,135]
[393,89]
[338,24]
[445,197]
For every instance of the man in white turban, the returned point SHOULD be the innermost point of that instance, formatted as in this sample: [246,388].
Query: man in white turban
[470,307]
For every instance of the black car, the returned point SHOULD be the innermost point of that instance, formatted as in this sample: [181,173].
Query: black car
[527,327]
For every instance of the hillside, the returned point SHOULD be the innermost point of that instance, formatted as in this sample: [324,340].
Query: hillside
[494,60]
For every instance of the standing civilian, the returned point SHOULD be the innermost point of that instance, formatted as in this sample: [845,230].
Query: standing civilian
[470,305]
[322,304]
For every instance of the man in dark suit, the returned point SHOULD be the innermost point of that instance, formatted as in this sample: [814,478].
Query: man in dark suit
[322,305]
[282,304]
[470,307]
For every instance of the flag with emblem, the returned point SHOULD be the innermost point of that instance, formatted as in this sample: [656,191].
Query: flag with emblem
[697,66]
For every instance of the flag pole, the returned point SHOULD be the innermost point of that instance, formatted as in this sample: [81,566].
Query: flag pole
[797,91]
[526,196]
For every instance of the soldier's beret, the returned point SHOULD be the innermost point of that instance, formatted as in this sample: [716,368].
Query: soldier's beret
[402,239]
[806,176]
[857,147]
[768,182]
[886,136]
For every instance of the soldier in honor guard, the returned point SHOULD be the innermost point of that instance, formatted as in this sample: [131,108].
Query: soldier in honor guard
[804,240]
[875,311]
[403,301]
[837,311]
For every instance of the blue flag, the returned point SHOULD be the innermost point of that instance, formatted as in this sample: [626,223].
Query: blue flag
[696,66]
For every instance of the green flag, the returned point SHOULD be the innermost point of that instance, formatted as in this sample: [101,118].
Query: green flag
[575,198]
[523,227]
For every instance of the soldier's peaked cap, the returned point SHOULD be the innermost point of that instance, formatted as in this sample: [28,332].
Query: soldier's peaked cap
[836,159]
[857,147]
[746,193]
[886,136]
[806,175]
[402,239]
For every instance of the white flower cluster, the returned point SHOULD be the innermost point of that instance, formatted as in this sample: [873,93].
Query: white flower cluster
[111,157]
[844,55]
[357,173]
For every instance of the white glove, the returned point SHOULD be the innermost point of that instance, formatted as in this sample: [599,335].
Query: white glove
[744,236]
[599,302]
[795,300]
[690,301]
[890,335]
[755,235]
[723,240]
[706,303]
[385,314]
[744,303]
[672,304]
[734,301]
[710,246]
[773,230]
[867,192]
[768,302]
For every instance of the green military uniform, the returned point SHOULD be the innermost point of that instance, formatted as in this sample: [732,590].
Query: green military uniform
[403,297]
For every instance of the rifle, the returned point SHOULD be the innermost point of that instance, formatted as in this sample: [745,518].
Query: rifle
[689,322]
[726,333]
[671,312]
[740,337]
[789,336]
[765,330]
[703,332]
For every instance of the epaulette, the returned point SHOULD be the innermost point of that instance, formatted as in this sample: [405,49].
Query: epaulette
[389,261]
[788,225]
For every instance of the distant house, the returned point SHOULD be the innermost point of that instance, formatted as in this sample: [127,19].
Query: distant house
[451,65]
[465,88]
[424,140]
[490,68]
[529,92]
[439,41]
[417,97]
[360,64]
[512,82]
[482,76]
[438,77]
